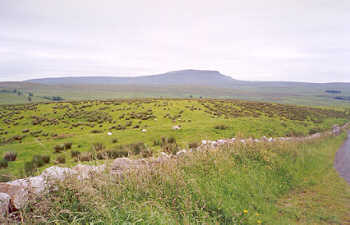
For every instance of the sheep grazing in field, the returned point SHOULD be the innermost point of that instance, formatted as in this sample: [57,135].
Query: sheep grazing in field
[177,127]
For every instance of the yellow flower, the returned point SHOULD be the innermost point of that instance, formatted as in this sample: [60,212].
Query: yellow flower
[245,211]
[259,221]
[257,214]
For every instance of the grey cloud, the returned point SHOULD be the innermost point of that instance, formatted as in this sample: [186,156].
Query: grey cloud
[252,39]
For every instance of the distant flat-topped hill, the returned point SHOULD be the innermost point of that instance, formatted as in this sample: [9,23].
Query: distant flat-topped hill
[182,77]
[175,84]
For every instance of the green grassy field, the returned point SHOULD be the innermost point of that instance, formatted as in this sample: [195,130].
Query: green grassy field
[36,130]
[264,183]
[300,94]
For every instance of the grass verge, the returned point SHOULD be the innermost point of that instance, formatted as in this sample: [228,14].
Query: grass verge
[267,183]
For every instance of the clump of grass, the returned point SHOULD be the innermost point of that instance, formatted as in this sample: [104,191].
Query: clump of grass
[67,146]
[58,148]
[61,159]
[137,148]
[74,154]
[96,131]
[169,145]
[98,147]
[46,159]
[10,156]
[5,177]
[117,153]
[85,156]
[193,145]
[29,168]
[3,164]
[38,161]
[221,127]
[102,155]
[156,142]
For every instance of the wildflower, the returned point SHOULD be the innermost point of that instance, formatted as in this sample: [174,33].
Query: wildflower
[245,211]
[259,221]
[257,214]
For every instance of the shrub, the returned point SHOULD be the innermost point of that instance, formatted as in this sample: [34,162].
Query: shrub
[58,148]
[68,146]
[3,163]
[115,140]
[85,156]
[29,168]
[61,159]
[74,154]
[10,156]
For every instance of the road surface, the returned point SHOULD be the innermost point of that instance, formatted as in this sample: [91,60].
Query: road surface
[342,160]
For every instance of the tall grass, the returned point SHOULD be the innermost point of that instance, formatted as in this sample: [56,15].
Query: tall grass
[243,184]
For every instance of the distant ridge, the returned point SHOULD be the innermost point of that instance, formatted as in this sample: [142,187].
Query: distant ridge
[190,77]
[181,77]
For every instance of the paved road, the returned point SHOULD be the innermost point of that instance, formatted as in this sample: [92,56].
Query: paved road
[342,160]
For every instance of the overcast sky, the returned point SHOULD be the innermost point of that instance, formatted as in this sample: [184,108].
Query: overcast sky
[299,40]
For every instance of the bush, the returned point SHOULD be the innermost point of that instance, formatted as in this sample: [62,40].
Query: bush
[68,146]
[115,140]
[10,156]
[58,148]
[29,168]
[3,163]
[61,159]
[74,154]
